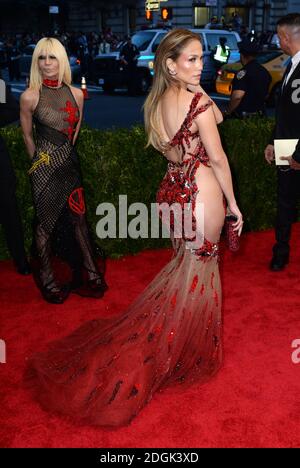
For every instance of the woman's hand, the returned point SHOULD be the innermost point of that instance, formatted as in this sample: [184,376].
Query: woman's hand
[234,210]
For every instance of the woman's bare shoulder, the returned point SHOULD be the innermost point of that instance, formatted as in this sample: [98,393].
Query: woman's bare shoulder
[29,98]
[78,96]
[182,98]
[77,92]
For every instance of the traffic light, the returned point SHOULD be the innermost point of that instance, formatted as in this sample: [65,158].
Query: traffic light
[149,15]
[167,13]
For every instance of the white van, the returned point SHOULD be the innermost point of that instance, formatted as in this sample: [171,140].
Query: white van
[108,70]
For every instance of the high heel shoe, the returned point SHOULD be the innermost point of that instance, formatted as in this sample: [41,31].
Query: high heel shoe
[95,287]
[50,291]
[55,294]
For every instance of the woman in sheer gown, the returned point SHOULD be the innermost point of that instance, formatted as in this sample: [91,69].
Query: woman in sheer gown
[107,370]
[54,108]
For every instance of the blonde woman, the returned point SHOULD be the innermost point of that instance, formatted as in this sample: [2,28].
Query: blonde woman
[54,108]
[107,370]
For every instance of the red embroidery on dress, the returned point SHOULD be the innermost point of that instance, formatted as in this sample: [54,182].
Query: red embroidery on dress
[173,300]
[72,119]
[216,298]
[76,201]
[179,185]
[212,279]
[184,134]
[194,284]
[209,322]
[158,329]
[171,336]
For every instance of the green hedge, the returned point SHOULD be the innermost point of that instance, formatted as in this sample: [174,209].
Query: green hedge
[116,162]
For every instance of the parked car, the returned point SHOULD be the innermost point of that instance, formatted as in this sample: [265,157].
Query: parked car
[25,63]
[275,61]
[108,71]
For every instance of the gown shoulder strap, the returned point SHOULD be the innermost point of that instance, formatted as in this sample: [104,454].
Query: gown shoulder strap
[194,109]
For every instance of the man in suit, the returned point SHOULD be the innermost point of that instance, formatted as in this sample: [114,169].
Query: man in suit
[287,127]
[9,213]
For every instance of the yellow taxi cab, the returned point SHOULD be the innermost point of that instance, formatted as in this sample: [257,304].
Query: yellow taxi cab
[275,61]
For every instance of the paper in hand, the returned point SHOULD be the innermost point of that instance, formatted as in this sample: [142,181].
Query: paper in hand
[284,147]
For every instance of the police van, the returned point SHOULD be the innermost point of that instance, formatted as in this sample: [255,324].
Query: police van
[108,70]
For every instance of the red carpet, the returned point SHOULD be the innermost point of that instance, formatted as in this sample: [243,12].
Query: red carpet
[254,401]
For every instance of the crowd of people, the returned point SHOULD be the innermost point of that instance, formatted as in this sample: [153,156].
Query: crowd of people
[84,46]
[235,23]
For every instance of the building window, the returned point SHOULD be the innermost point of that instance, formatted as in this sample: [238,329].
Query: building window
[243,12]
[201,16]
[132,19]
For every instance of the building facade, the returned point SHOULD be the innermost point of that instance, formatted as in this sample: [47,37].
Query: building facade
[129,15]
[125,16]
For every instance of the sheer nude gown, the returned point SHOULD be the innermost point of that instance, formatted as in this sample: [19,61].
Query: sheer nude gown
[107,370]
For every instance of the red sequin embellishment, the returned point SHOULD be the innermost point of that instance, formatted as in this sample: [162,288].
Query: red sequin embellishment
[212,280]
[184,134]
[76,201]
[171,336]
[194,284]
[216,298]
[72,119]
[173,300]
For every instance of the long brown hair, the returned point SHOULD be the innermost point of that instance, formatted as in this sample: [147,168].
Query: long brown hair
[170,48]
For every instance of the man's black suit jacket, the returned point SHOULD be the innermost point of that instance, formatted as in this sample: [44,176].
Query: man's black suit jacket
[288,111]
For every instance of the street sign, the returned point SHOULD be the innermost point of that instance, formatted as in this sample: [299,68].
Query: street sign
[152,5]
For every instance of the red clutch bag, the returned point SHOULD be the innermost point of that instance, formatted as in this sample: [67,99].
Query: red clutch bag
[232,237]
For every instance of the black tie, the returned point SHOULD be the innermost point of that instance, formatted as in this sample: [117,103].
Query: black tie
[287,71]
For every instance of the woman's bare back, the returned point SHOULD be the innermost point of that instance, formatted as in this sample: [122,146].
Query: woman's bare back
[180,133]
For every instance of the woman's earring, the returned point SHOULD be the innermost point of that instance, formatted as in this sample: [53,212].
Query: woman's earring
[172,72]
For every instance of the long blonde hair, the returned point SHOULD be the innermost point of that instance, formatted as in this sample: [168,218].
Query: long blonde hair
[170,48]
[49,45]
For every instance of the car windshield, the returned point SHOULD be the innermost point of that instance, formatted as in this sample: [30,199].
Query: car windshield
[214,39]
[142,39]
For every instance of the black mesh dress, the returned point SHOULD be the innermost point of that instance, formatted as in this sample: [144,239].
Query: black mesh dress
[60,224]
